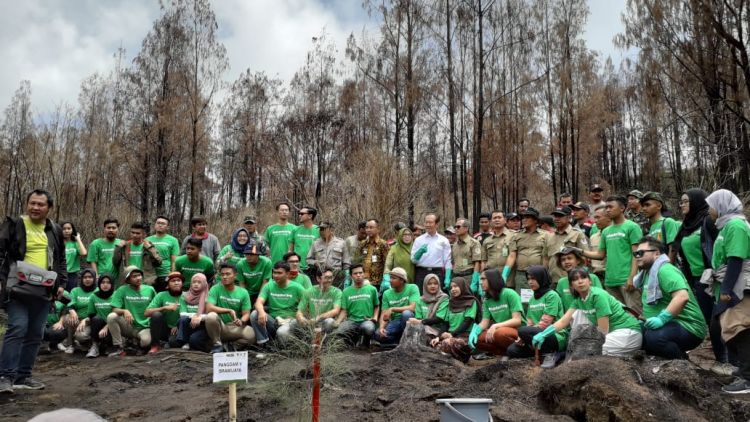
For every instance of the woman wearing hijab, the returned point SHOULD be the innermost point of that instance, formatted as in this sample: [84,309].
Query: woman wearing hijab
[460,315]
[191,330]
[233,253]
[694,244]
[433,301]
[732,251]
[400,256]
[545,307]
[502,315]
[164,312]
[98,309]
[79,303]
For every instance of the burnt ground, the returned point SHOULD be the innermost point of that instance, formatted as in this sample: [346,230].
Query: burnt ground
[392,386]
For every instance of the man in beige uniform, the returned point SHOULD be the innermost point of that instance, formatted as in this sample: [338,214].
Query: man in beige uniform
[466,254]
[563,236]
[528,247]
[496,248]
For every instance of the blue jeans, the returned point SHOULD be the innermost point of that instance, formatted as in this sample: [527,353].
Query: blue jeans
[394,329]
[26,322]
[197,337]
[272,329]
[670,341]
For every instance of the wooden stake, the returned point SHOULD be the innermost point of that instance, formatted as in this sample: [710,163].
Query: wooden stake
[232,402]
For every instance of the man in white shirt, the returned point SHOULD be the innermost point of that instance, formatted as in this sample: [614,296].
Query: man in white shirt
[431,253]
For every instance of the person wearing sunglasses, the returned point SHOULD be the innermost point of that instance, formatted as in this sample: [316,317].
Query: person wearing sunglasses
[466,254]
[674,322]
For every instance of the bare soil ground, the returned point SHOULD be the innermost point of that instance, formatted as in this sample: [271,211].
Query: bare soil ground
[364,386]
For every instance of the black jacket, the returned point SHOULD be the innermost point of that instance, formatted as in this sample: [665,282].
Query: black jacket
[13,248]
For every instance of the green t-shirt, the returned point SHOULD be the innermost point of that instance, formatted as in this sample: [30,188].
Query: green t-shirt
[235,258]
[278,238]
[186,309]
[549,304]
[359,303]
[79,301]
[618,241]
[671,228]
[303,239]
[282,302]
[394,299]
[252,277]
[188,268]
[135,302]
[99,307]
[691,247]
[599,303]
[314,302]
[422,310]
[164,299]
[502,309]
[733,240]
[671,280]
[101,252]
[237,300]
[72,257]
[166,246]
[563,289]
[136,255]
[455,319]
[303,280]
[54,316]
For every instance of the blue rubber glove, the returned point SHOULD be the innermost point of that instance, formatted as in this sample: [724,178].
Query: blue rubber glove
[475,282]
[421,251]
[538,339]
[385,283]
[448,276]
[654,323]
[474,336]
[506,273]
[347,281]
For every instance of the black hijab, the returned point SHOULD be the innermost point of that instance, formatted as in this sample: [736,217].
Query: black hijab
[84,287]
[695,216]
[540,274]
[101,294]
[495,283]
[464,300]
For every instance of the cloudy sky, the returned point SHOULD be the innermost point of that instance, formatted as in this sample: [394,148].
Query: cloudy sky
[56,44]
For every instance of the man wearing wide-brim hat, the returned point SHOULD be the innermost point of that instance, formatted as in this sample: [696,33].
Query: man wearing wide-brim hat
[528,247]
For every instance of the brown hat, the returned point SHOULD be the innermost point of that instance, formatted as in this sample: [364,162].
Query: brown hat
[400,273]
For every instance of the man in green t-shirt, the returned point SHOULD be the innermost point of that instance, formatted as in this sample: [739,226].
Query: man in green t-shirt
[618,242]
[279,235]
[398,306]
[674,322]
[194,262]
[228,307]
[139,252]
[255,270]
[102,250]
[663,229]
[320,304]
[359,309]
[168,248]
[282,298]
[128,317]
[304,236]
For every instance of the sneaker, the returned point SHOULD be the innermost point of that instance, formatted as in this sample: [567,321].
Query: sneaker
[218,348]
[61,347]
[739,386]
[69,350]
[28,383]
[723,369]
[5,385]
[119,352]
[93,351]
[549,361]
[155,349]
[186,346]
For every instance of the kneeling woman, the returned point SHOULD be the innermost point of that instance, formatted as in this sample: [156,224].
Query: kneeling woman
[460,315]
[433,302]
[545,307]
[502,315]
[622,330]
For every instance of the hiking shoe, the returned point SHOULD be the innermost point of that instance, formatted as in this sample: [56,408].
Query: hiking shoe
[119,352]
[739,386]
[549,361]
[28,383]
[5,385]
[724,369]
[218,348]
[186,346]
[93,351]
[154,349]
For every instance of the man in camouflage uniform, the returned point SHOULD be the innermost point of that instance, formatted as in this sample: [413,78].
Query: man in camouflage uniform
[634,212]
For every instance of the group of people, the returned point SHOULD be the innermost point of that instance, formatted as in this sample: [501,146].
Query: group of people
[515,288]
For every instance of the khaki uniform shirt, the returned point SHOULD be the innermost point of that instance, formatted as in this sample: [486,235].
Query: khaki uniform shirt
[530,248]
[465,252]
[556,242]
[333,254]
[597,266]
[496,249]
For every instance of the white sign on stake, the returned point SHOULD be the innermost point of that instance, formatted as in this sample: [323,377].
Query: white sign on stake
[230,367]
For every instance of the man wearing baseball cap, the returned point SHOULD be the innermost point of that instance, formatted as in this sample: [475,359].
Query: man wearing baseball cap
[596,193]
[250,224]
[330,251]
[634,212]
[397,307]
[128,317]
[563,236]
[581,219]
[528,247]
[254,271]
[663,229]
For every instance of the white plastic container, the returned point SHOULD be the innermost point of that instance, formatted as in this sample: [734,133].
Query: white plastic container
[464,410]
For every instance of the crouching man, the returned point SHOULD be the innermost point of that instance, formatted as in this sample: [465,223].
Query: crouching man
[128,317]
[228,307]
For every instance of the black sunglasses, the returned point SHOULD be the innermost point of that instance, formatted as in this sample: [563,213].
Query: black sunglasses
[639,254]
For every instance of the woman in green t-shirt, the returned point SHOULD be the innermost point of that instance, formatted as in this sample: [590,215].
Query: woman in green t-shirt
[545,307]
[460,315]
[74,250]
[502,315]
[433,300]
[233,253]
[96,321]
[593,305]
